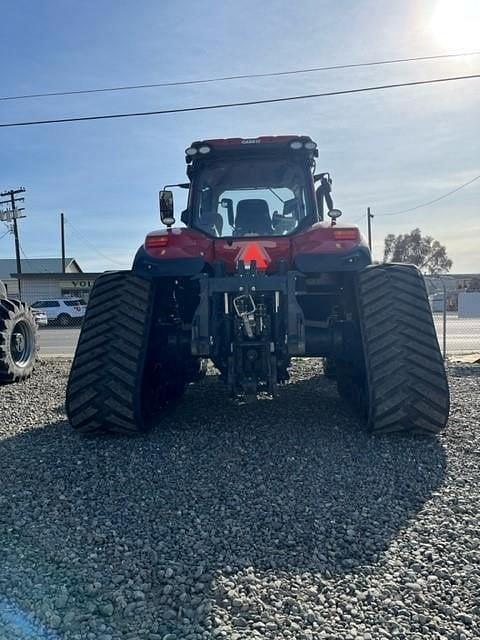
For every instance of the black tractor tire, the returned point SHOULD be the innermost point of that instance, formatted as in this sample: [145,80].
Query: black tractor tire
[3,291]
[18,341]
[114,381]
[406,386]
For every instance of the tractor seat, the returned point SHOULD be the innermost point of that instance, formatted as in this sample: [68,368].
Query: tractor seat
[253,217]
[211,223]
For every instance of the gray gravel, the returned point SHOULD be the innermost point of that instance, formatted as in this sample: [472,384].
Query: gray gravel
[279,519]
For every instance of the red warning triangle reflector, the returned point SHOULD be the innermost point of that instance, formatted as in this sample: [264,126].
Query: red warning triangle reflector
[254,251]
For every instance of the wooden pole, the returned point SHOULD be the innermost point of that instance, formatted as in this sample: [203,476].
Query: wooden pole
[62,230]
[369,226]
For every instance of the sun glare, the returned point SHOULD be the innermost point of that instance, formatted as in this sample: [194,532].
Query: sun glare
[456,24]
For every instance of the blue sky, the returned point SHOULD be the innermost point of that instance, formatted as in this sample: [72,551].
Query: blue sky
[389,150]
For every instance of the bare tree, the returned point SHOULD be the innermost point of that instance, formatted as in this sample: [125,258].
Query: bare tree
[428,254]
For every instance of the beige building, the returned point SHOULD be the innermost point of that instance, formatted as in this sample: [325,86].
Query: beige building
[42,279]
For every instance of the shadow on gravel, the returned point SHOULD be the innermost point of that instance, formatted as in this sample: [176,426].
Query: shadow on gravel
[292,485]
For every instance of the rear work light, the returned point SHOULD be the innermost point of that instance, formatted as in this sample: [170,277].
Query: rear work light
[156,242]
[345,234]
[193,151]
[298,144]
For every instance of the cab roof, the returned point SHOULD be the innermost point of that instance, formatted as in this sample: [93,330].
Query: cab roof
[204,149]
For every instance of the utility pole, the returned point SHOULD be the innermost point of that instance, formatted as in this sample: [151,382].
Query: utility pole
[62,230]
[369,226]
[11,215]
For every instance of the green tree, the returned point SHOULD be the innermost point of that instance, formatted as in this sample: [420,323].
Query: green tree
[428,254]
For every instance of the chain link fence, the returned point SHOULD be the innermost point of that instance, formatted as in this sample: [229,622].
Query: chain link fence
[455,303]
[59,300]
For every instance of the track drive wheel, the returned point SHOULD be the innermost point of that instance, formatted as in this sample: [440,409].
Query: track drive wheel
[117,384]
[406,385]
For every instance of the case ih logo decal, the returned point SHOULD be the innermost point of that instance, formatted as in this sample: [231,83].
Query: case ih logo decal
[254,251]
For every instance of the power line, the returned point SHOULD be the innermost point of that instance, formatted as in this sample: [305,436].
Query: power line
[25,257]
[362,217]
[87,241]
[426,204]
[13,197]
[245,76]
[246,103]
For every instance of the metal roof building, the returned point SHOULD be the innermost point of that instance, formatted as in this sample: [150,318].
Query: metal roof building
[42,278]
[8,266]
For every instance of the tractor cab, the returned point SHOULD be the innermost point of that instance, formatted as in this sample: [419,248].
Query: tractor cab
[254,187]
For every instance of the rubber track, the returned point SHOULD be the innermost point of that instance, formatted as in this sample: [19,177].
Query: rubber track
[407,383]
[104,388]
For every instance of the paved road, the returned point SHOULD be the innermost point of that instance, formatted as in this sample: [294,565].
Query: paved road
[463,336]
[58,341]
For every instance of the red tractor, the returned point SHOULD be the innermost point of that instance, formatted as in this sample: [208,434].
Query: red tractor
[256,277]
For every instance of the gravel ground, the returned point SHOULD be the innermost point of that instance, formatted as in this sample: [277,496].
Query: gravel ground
[279,519]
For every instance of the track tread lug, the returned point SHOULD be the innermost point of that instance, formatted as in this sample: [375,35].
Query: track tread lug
[408,388]
[104,388]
